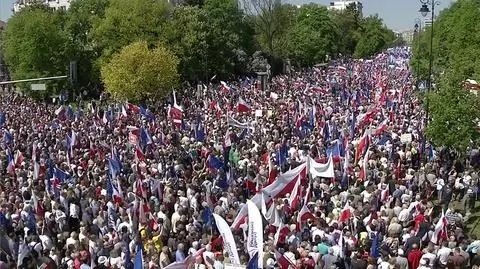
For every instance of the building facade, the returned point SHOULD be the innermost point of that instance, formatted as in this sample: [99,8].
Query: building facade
[427,22]
[55,4]
[342,5]
[408,36]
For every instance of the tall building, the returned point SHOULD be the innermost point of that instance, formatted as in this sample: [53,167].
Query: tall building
[55,4]
[343,4]
[408,36]
[427,22]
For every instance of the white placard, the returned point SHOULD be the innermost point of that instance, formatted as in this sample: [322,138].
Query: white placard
[38,87]
[406,138]
[258,113]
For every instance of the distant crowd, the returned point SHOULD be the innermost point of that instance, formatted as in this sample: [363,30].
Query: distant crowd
[324,168]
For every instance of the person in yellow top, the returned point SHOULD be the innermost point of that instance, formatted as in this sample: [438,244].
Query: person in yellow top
[151,240]
[157,240]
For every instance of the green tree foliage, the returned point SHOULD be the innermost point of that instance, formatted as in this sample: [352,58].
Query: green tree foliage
[272,21]
[228,35]
[186,35]
[348,22]
[454,115]
[128,21]
[313,36]
[454,111]
[265,14]
[374,37]
[455,43]
[34,43]
[137,73]
[281,46]
[211,37]
[419,65]
[79,27]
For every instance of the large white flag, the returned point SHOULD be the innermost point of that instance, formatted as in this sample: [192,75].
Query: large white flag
[440,232]
[281,186]
[228,240]
[255,233]
[321,170]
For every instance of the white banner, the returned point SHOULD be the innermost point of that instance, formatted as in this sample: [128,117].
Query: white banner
[406,138]
[228,240]
[233,122]
[321,170]
[274,190]
[255,233]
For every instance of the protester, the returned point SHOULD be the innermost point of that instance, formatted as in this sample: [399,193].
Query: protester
[322,168]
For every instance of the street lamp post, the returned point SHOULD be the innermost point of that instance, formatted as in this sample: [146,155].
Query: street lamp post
[417,30]
[416,34]
[424,10]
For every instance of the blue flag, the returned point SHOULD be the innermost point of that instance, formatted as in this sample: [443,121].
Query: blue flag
[145,138]
[128,259]
[199,131]
[32,222]
[253,262]
[334,150]
[113,168]
[4,221]
[375,249]
[214,163]
[109,187]
[352,125]
[326,131]
[7,137]
[61,175]
[207,217]
[138,263]
[383,140]
[147,114]
[282,155]
[2,118]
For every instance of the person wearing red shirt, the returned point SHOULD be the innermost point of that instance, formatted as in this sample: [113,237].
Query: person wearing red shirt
[419,219]
[414,257]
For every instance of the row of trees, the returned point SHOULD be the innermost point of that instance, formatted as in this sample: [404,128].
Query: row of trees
[198,39]
[454,110]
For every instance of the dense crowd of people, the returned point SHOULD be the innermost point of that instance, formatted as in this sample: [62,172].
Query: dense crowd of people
[115,185]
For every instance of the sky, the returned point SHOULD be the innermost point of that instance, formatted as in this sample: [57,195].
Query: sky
[398,15]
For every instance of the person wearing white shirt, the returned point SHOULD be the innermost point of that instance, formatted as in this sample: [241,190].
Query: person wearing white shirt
[383,264]
[208,256]
[317,232]
[440,183]
[72,240]
[443,253]
[366,196]
[404,215]
[397,209]
[193,203]
[175,219]
[430,257]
